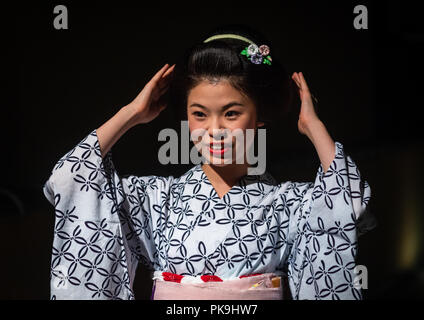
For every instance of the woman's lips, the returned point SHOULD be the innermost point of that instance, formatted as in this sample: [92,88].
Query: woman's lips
[218,151]
[222,148]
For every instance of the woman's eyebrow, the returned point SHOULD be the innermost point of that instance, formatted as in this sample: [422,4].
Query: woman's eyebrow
[225,107]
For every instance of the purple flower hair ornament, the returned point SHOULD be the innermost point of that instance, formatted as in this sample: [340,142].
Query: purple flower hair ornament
[257,55]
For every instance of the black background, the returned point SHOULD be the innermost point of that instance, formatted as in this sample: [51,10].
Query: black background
[63,84]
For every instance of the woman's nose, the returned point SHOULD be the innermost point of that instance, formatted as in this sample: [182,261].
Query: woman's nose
[215,129]
[220,134]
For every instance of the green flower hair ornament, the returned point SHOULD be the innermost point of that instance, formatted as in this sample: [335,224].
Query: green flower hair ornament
[257,55]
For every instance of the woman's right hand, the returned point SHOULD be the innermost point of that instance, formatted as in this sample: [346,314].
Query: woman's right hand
[150,102]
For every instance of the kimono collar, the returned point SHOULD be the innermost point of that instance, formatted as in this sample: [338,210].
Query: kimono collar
[244,195]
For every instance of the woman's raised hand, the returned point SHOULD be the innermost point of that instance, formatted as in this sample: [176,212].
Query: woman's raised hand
[307,115]
[310,125]
[151,100]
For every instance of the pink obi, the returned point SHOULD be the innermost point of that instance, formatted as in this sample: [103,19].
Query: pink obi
[169,286]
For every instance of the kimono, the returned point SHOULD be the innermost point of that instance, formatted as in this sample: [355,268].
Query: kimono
[106,224]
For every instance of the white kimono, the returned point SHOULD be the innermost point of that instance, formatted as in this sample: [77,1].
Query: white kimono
[106,224]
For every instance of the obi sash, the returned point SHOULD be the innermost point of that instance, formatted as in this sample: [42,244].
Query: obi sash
[266,286]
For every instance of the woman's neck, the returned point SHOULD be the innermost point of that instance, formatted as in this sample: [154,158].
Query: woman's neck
[225,177]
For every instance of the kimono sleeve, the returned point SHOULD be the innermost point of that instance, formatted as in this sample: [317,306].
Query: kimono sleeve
[102,225]
[323,231]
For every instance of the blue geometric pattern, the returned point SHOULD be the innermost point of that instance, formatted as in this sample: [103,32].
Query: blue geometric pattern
[106,224]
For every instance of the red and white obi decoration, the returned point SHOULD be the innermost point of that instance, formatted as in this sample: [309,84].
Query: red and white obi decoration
[168,276]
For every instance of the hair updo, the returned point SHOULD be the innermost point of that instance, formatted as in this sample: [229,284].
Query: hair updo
[268,86]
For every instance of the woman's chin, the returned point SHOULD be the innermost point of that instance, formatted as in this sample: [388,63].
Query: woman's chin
[218,162]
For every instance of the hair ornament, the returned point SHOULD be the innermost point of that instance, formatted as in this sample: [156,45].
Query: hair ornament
[257,55]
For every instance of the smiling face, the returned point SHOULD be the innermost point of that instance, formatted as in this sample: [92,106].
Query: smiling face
[216,110]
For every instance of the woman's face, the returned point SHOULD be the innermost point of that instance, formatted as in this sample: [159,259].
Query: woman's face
[215,110]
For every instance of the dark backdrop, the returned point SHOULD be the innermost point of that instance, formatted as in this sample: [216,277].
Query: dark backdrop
[65,83]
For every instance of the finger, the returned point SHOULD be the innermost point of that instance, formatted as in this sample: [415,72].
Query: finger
[296,80]
[159,74]
[166,78]
[295,75]
[168,71]
[303,82]
[164,84]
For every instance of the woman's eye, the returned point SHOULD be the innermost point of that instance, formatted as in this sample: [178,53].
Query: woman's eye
[232,113]
[198,114]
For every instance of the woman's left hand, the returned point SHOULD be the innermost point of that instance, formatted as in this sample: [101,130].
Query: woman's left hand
[310,125]
[307,116]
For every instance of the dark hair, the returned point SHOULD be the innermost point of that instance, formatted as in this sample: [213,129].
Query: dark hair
[267,85]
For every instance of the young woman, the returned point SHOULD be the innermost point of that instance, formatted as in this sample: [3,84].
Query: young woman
[216,232]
